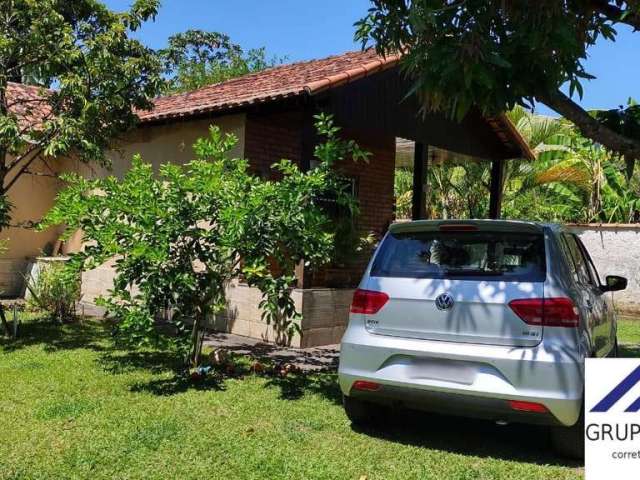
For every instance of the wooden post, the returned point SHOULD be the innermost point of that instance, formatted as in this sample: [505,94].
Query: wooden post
[495,196]
[419,199]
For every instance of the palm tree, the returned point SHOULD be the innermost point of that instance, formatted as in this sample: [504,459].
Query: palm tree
[578,179]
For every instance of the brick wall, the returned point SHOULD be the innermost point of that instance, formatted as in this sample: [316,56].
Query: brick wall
[272,136]
[375,196]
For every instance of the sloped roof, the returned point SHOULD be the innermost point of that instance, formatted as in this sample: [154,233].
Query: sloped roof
[295,79]
[29,103]
[31,106]
[272,84]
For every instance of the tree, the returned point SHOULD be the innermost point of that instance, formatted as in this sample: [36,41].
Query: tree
[196,58]
[98,76]
[181,236]
[497,54]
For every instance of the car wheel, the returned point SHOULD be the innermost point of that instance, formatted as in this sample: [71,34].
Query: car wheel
[362,413]
[569,441]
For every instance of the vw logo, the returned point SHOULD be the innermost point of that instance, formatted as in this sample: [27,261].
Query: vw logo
[444,301]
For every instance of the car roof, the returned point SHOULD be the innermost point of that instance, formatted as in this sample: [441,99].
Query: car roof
[481,224]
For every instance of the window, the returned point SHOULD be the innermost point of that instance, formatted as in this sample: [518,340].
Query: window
[579,261]
[462,255]
[592,268]
[562,242]
[329,203]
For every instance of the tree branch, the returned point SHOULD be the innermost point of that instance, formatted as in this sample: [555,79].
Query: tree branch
[589,126]
[19,173]
[615,14]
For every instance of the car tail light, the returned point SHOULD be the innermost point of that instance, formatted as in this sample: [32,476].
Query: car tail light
[368,301]
[365,386]
[549,312]
[533,407]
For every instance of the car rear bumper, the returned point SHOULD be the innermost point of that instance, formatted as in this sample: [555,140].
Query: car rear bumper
[464,379]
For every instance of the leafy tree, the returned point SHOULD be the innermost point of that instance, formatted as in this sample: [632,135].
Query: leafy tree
[403,192]
[196,58]
[98,75]
[181,236]
[497,54]
[583,182]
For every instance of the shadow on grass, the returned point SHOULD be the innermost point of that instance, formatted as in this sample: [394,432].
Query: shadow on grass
[294,387]
[97,335]
[88,335]
[466,436]
[179,384]
[629,350]
[125,361]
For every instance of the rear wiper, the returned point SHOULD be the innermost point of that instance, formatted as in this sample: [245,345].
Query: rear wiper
[478,273]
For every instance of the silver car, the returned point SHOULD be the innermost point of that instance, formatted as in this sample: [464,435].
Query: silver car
[491,319]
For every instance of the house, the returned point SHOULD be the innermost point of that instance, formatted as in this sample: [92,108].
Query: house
[271,112]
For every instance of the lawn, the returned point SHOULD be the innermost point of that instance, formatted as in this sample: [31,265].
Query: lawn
[75,406]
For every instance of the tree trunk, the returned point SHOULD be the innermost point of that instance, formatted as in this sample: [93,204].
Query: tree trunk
[196,341]
[3,318]
[589,126]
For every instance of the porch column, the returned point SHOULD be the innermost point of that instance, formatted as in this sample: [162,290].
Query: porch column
[495,198]
[419,199]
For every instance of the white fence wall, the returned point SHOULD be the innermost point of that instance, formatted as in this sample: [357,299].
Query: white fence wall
[615,249]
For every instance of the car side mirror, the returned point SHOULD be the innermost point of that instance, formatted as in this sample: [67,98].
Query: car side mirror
[614,283]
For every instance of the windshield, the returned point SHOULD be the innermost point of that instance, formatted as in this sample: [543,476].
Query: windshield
[481,254]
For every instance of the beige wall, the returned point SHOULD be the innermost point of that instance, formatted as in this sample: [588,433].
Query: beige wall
[33,195]
[164,143]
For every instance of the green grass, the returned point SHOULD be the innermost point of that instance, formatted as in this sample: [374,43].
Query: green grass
[629,337]
[74,406]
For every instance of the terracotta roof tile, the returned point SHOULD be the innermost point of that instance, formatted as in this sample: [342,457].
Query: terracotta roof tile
[269,85]
[29,103]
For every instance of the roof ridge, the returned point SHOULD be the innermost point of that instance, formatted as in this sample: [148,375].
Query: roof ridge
[246,76]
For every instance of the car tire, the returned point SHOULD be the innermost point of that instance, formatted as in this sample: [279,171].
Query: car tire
[569,441]
[362,413]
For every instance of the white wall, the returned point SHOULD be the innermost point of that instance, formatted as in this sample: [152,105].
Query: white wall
[615,250]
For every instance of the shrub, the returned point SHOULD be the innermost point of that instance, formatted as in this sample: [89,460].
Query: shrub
[181,234]
[55,291]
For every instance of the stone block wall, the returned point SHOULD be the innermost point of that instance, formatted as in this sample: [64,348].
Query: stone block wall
[325,312]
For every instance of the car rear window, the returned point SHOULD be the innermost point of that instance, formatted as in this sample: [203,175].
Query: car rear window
[481,255]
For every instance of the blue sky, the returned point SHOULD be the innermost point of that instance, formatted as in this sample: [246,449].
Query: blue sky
[306,29]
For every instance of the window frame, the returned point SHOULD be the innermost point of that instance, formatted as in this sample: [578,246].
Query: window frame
[590,265]
[589,280]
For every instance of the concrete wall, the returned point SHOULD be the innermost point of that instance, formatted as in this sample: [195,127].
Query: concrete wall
[615,250]
[325,313]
